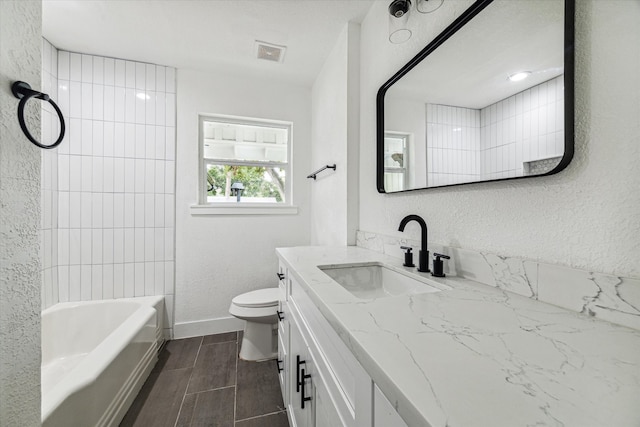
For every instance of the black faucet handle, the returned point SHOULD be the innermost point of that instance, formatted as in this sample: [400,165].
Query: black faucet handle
[408,256]
[438,265]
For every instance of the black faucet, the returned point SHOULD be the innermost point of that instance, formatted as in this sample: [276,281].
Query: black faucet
[423,254]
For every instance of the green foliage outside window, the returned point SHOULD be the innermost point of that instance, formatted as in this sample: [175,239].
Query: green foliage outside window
[260,182]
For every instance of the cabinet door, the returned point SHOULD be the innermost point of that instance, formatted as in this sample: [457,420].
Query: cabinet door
[326,413]
[301,401]
[283,363]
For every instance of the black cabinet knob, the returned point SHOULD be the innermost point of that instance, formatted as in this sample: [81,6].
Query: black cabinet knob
[278,362]
[280,315]
[280,276]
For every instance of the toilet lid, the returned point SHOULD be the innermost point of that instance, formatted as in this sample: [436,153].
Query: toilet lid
[260,298]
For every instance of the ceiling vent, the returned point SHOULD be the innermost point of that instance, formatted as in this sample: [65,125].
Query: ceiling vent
[270,52]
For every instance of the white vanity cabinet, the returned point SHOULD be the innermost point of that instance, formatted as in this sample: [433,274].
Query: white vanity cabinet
[323,385]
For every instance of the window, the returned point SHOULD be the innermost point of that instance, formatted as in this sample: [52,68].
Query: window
[395,161]
[245,161]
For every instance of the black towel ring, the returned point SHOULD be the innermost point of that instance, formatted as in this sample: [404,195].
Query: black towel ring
[23,92]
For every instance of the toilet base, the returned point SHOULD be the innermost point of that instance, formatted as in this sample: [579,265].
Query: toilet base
[258,342]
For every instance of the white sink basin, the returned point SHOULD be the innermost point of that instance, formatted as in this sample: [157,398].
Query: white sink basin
[375,281]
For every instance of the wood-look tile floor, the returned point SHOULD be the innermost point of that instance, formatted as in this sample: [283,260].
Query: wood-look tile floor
[201,382]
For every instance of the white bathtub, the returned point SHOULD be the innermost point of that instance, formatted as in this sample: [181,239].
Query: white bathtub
[96,355]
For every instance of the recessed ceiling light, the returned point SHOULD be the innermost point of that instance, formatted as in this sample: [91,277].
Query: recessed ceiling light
[520,75]
[143,96]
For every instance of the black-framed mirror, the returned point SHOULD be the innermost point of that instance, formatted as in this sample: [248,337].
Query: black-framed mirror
[491,98]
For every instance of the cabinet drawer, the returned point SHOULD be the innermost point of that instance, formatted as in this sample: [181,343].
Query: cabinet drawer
[344,367]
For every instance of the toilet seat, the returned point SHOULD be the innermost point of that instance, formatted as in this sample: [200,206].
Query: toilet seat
[257,299]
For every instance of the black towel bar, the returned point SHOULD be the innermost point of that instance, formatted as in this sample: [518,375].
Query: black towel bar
[313,175]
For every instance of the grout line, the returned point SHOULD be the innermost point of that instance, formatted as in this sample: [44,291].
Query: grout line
[235,393]
[262,415]
[188,382]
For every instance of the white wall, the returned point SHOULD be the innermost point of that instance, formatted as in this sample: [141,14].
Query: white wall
[335,129]
[20,59]
[221,256]
[584,217]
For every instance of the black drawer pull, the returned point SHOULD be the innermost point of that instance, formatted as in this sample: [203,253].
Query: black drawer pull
[280,315]
[280,276]
[302,397]
[298,363]
[278,362]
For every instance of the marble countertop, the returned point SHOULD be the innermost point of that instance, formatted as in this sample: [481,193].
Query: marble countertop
[475,355]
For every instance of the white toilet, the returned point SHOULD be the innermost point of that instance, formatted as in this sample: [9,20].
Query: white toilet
[258,309]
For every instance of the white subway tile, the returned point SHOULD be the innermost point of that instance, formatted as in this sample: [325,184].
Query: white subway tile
[98,102]
[118,245]
[107,281]
[120,73]
[86,245]
[86,177]
[96,210]
[149,278]
[168,244]
[109,103]
[149,244]
[86,285]
[129,210]
[119,172]
[63,172]
[118,210]
[96,246]
[139,175]
[108,138]
[129,140]
[87,100]
[108,177]
[150,78]
[161,78]
[75,238]
[150,176]
[150,141]
[129,245]
[159,278]
[129,175]
[140,141]
[107,246]
[139,210]
[63,97]
[169,211]
[63,209]
[140,76]
[107,210]
[169,177]
[171,80]
[118,280]
[75,67]
[139,279]
[109,71]
[119,104]
[551,117]
[149,210]
[159,211]
[129,105]
[158,252]
[87,68]
[171,110]
[63,283]
[74,210]
[140,107]
[75,100]
[63,65]
[150,108]
[119,140]
[74,283]
[97,170]
[129,280]
[130,74]
[87,137]
[46,248]
[160,108]
[86,201]
[169,278]
[170,143]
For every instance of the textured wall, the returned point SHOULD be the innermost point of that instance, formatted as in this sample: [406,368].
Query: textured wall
[221,256]
[334,94]
[20,46]
[586,216]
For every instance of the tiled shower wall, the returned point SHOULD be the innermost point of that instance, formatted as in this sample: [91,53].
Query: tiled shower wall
[116,179]
[497,141]
[49,181]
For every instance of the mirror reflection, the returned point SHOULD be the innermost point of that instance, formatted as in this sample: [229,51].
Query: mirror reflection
[487,104]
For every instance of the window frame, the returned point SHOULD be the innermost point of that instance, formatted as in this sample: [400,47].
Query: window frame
[244,207]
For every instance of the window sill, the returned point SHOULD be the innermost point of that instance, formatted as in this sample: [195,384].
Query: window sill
[242,209]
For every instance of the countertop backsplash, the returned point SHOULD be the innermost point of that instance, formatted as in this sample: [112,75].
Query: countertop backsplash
[604,296]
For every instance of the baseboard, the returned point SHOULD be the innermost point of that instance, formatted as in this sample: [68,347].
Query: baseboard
[207,327]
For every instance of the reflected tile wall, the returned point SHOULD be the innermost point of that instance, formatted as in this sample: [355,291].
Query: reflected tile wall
[607,297]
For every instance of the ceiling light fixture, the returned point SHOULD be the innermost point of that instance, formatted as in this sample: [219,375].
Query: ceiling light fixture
[519,76]
[399,11]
